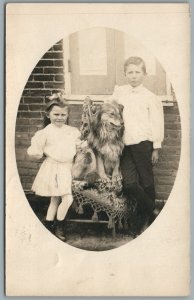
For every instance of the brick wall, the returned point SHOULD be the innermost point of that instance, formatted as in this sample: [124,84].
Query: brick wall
[166,170]
[46,78]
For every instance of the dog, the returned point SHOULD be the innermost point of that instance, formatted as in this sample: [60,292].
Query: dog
[84,165]
[100,158]
[106,139]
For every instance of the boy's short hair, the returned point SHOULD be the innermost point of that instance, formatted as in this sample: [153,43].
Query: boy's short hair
[135,60]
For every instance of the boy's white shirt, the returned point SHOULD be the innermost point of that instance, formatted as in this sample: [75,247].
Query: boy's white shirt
[142,114]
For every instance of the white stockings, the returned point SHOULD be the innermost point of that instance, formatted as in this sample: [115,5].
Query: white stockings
[59,207]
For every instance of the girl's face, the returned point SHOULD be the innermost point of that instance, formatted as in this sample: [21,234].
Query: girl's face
[58,115]
[134,74]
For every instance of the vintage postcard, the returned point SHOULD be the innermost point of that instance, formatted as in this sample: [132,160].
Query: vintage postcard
[97,149]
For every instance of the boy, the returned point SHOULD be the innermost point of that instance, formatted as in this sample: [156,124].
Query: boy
[144,132]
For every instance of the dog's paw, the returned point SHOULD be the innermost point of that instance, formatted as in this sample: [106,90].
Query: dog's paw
[91,177]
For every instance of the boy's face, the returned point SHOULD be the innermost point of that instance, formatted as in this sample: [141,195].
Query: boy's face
[134,74]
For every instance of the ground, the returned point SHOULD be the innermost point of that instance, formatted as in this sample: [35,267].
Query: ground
[93,236]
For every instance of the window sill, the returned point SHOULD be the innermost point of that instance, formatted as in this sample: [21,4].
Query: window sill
[167,100]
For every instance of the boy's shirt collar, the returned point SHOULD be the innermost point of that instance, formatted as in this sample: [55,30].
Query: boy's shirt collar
[136,89]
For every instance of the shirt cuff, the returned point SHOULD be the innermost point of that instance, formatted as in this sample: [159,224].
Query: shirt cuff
[157,145]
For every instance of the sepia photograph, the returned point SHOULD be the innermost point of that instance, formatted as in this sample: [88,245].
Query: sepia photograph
[100,174]
[95,137]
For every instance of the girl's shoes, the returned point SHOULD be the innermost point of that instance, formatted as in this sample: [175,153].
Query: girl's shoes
[59,230]
[50,225]
[56,227]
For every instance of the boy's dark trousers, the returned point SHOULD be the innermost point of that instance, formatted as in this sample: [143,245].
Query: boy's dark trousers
[138,180]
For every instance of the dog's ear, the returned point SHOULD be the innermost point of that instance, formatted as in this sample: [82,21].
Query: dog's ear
[97,115]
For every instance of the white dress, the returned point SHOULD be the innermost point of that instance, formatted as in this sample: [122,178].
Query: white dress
[59,145]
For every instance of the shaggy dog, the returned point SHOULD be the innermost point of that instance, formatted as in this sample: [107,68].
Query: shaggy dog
[105,145]
[106,139]
[84,165]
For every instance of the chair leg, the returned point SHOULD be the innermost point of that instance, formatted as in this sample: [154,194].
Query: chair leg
[113,229]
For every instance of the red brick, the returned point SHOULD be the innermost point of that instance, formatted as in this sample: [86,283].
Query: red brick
[34,128]
[171,118]
[76,107]
[59,42]
[35,121]
[20,154]
[75,114]
[163,196]
[38,70]
[29,165]
[168,165]
[59,78]
[173,126]
[22,122]
[31,77]
[30,115]
[53,70]
[33,100]
[21,135]
[173,134]
[172,141]
[26,171]
[54,85]
[171,110]
[164,180]
[23,107]
[34,85]
[26,179]
[171,149]
[164,172]
[28,186]
[43,77]
[53,55]
[74,123]
[58,47]
[58,63]
[50,49]
[35,107]
[39,92]
[21,128]
[45,62]
[168,157]
[164,188]
[31,134]
[22,142]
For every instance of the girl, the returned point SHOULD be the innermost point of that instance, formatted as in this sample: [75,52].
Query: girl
[57,141]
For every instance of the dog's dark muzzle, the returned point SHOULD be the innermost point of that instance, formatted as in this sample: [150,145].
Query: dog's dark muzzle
[117,125]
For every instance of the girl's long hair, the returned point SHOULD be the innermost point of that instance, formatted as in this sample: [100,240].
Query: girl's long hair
[54,100]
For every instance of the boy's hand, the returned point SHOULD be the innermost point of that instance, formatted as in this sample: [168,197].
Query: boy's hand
[155,156]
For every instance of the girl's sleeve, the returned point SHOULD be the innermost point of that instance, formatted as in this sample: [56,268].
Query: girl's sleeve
[37,144]
[157,122]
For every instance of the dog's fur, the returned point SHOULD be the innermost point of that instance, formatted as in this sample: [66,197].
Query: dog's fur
[106,139]
[84,165]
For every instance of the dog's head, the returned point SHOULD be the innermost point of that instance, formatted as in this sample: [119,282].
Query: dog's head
[109,115]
